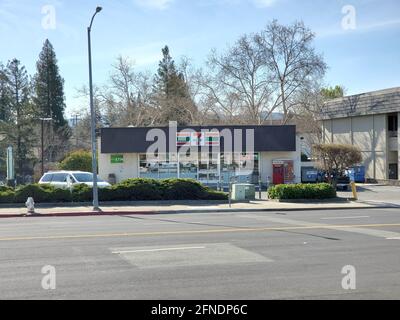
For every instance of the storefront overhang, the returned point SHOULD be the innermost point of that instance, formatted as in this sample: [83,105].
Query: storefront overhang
[139,140]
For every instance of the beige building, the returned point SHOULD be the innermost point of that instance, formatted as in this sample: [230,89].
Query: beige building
[369,121]
[217,154]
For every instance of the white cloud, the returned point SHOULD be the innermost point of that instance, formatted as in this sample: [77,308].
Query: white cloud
[154,4]
[264,3]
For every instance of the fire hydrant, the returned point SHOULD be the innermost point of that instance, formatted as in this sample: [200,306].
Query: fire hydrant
[30,204]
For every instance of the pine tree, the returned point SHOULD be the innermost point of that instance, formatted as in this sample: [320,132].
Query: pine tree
[4,95]
[172,93]
[49,102]
[49,87]
[21,115]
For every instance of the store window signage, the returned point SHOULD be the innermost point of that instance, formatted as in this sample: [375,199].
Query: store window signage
[198,139]
[117,158]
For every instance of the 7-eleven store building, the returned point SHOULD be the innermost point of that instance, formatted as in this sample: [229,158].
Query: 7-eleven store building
[213,155]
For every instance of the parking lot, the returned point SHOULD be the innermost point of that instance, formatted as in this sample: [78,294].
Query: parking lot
[375,193]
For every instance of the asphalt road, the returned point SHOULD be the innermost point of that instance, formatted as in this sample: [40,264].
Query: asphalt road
[293,255]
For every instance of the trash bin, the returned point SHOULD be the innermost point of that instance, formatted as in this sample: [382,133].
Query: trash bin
[112,179]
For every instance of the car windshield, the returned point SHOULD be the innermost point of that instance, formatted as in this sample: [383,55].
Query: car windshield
[85,177]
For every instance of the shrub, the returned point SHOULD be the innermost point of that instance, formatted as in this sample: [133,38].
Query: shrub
[302,191]
[7,196]
[215,195]
[41,193]
[6,188]
[77,161]
[140,189]
[128,190]
[183,189]
[82,193]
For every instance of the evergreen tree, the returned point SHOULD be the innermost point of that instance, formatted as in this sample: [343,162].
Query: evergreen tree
[332,93]
[4,95]
[21,115]
[172,93]
[49,102]
[49,87]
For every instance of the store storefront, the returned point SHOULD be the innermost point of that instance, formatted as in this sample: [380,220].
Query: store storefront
[212,155]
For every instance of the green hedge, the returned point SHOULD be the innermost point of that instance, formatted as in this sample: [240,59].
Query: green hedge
[302,191]
[128,190]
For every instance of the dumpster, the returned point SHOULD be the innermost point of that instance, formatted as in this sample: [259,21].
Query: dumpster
[309,175]
[357,174]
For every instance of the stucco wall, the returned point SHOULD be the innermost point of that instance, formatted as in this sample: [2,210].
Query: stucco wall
[268,157]
[369,134]
[130,167]
[126,170]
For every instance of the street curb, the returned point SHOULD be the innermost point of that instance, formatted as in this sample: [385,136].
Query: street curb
[160,212]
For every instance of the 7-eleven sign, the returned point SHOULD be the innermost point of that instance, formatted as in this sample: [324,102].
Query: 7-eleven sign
[183,139]
[211,138]
[197,139]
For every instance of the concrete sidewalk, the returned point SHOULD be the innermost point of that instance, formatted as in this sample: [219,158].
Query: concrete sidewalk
[163,207]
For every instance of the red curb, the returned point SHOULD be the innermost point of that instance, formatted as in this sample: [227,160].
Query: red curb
[76,214]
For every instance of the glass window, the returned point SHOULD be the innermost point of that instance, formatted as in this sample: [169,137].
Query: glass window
[209,168]
[59,177]
[47,178]
[188,165]
[162,166]
[85,177]
[241,167]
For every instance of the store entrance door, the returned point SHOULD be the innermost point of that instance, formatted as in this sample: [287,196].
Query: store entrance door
[393,171]
[278,174]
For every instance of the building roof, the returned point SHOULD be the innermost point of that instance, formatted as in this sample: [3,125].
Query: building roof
[376,102]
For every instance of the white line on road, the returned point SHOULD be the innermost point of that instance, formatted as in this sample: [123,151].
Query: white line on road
[160,249]
[395,238]
[338,218]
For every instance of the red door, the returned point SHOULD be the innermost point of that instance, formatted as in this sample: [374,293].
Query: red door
[278,174]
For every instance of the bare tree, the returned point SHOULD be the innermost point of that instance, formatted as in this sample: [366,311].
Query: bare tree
[239,82]
[292,62]
[263,73]
[126,99]
[334,159]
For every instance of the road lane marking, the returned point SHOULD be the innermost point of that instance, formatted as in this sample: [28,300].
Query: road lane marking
[360,229]
[171,257]
[338,218]
[395,238]
[188,232]
[156,250]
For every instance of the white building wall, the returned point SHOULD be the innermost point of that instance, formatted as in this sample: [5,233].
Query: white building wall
[128,169]
[268,157]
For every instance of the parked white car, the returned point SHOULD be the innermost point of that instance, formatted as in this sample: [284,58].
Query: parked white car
[62,179]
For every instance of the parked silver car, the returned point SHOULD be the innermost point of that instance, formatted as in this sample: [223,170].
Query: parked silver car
[62,179]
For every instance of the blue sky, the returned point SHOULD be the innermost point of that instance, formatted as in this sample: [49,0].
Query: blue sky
[362,59]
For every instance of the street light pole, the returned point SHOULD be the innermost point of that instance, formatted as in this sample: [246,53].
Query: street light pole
[93,120]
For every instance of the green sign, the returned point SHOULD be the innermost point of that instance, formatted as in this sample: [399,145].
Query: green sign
[117,158]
